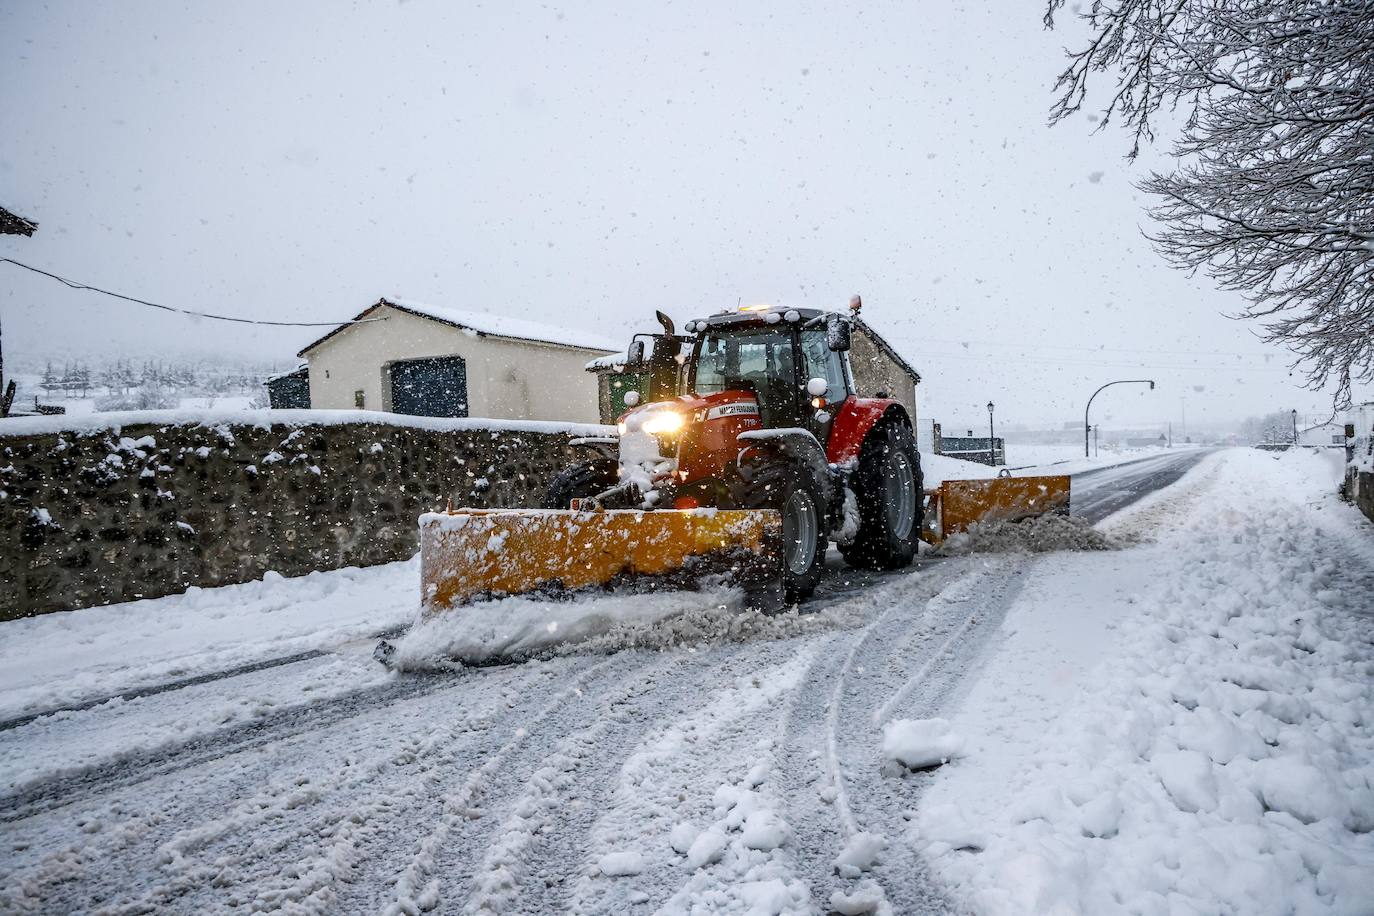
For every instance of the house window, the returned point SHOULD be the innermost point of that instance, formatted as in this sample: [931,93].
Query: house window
[359,399]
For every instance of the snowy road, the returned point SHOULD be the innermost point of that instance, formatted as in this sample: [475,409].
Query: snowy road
[725,776]
[1099,492]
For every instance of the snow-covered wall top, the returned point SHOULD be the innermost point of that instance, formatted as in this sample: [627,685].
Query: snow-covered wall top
[97,422]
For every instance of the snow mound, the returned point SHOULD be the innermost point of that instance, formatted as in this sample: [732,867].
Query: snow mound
[1042,534]
[621,864]
[859,855]
[921,743]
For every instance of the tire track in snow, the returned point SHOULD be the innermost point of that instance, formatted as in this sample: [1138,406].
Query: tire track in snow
[832,745]
[812,763]
[332,817]
[415,889]
[700,769]
[80,784]
[539,812]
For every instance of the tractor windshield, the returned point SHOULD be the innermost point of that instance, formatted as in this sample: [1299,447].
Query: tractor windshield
[759,359]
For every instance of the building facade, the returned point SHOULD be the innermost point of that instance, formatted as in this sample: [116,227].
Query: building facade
[404,357]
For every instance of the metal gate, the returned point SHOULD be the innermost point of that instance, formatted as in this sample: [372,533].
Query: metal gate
[432,387]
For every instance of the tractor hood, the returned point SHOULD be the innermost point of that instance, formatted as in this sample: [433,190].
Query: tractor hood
[671,417]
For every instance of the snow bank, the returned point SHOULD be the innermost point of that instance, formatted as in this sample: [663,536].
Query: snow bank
[1185,726]
[114,421]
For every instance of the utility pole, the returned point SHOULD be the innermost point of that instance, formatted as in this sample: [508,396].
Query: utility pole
[1171,434]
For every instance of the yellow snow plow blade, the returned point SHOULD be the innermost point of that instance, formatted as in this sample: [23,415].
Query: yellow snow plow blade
[959,504]
[477,553]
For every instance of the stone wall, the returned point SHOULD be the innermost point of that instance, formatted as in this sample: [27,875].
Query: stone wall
[1360,488]
[145,509]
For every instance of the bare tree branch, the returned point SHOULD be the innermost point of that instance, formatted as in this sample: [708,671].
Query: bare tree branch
[1274,192]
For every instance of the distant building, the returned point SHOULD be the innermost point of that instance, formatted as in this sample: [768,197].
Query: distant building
[411,358]
[290,389]
[1325,434]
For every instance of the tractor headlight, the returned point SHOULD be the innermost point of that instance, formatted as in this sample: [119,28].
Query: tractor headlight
[664,423]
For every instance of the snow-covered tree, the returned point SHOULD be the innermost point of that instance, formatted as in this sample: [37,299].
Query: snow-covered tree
[49,384]
[1274,192]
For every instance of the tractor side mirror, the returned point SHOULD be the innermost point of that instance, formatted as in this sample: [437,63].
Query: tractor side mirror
[634,357]
[837,332]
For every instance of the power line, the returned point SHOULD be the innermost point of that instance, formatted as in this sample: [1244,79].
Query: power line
[168,308]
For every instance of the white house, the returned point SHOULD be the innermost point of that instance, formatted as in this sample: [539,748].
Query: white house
[1323,434]
[408,357]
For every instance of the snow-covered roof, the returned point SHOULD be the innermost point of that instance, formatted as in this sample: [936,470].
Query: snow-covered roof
[485,323]
[609,361]
[302,368]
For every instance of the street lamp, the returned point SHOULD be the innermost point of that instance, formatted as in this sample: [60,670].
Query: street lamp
[992,447]
[1087,453]
[1295,427]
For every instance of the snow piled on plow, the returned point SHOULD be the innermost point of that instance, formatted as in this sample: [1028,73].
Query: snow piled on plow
[532,626]
[1041,534]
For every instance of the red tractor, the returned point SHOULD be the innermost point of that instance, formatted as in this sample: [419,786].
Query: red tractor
[757,409]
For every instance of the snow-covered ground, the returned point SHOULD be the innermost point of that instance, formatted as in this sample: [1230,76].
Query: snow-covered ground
[687,758]
[60,659]
[1184,726]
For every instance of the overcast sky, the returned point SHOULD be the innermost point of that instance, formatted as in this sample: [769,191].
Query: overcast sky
[586,163]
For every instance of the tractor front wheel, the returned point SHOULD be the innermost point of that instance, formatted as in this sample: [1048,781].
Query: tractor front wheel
[889,486]
[789,488]
[580,481]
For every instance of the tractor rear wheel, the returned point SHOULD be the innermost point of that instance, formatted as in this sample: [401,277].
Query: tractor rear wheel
[888,485]
[789,488]
[580,481]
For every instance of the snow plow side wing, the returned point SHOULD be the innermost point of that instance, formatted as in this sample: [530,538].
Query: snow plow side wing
[959,504]
[470,554]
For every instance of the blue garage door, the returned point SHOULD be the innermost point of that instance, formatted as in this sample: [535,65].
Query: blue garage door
[435,387]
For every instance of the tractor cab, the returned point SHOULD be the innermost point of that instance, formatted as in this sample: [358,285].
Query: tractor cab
[786,358]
